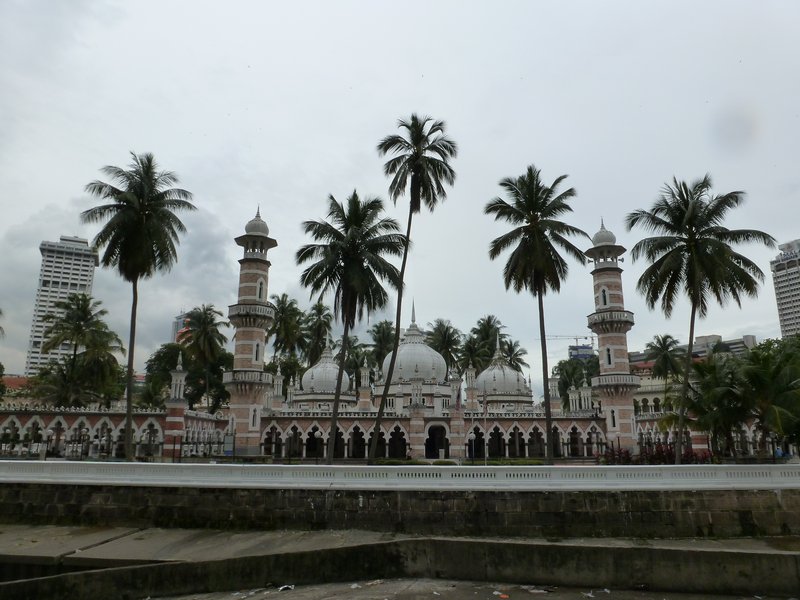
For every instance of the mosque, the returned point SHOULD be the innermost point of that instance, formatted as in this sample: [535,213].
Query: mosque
[429,412]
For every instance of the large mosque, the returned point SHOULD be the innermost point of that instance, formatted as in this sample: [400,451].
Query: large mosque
[430,413]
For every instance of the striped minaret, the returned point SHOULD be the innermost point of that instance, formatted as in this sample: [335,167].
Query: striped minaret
[176,414]
[611,322]
[251,317]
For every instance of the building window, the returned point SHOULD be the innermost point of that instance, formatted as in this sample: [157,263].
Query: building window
[613,419]
[260,290]
[608,356]
[604,297]
[258,349]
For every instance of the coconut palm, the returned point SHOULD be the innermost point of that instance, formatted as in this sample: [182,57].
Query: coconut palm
[349,261]
[513,354]
[571,374]
[690,253]
[419,162]
[382,334]
[287,326]
[667,357]
[204,340]
[445,339]
[2,331]
[474,354]
[535,265]
[317,324]
[488,331]
[140,235]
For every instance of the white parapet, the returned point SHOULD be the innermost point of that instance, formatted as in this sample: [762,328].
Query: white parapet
[523,479]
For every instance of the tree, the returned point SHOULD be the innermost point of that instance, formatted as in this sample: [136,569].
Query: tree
[691,254]
[2,383]
[349,261]
[287,327]
[571,374]
[2,331]
[534,264]
[474,353]
[667,359]
[513,354]
[316,330]
[420,162]
[204,340]
[488,330]
[445,339]
[382,334]
[140,235]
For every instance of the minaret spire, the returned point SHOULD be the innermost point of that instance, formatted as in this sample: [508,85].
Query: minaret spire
[413,312]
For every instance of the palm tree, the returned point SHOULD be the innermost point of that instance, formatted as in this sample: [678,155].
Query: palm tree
[420,162]
[316,331]
[2,331]
[140,236]
[571,374]
[349,261]
[487,330]
[691,253]
[534,264]
[667,357]
[445,339]
[513,354]
[204,340]
[382,334]
[287,327]
[474,353]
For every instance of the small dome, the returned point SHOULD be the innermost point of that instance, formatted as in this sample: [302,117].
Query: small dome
[321,378]
[499,378]
[415,359]
[257,225]
[604,237]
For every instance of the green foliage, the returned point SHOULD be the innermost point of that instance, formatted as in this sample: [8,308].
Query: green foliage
[534,264]
[205,342]
[158,377]
[291,370]
[382,334]
[445,339]
[287,332]
[2,383]
[317,324]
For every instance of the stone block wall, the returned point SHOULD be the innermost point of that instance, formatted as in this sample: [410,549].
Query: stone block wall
[643,514]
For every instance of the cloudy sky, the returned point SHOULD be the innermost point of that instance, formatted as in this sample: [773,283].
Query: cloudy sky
[280,104]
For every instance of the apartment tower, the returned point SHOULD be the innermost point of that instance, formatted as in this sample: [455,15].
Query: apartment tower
[67,268]
[786,279]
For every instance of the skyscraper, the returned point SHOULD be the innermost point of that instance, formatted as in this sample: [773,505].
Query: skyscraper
[786,279]
[67,268]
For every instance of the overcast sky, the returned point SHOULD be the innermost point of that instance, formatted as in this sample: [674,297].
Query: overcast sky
[280,104]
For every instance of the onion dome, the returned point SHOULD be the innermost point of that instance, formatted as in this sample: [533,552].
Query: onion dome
[257,225]
[321,378]
[604,237]
[500,378]
[415,359]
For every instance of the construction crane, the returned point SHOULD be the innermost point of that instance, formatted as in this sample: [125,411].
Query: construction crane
[577,338]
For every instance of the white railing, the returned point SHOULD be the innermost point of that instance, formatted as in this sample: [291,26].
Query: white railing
[577,478]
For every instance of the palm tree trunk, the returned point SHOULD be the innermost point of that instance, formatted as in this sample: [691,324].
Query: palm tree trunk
[333,429]
[548,417]
[373,449]
[683,400]
[129,386]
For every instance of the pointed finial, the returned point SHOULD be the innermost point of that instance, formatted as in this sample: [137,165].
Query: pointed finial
[413,312]
[179,366]
[258,212]
[602,224]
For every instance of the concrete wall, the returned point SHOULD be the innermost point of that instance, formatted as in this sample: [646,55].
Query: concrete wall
[557,514]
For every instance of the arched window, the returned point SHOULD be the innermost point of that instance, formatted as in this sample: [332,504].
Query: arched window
[613,419]
[604,298]
[608,356]
[260,290]
[258,349]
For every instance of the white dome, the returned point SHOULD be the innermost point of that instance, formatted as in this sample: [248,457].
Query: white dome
[257,225]
[604,237]
[415,359]
[321,378]
[499,378]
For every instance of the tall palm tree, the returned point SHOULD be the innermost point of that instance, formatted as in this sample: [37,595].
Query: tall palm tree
[488,331]
[667,359]
[140,235]
[74,322]
[513,354]
[571,374]
[349,261]
[475,353]
[420,162]
[204,340]
[2,331]
[691,254]
[382,334]
[445,339]
[317,325]
[533,209]
[287,327]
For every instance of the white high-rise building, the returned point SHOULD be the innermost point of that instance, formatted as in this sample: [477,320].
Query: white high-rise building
[67,268]
[786,278]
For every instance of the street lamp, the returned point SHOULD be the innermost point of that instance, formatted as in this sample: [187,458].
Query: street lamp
[471,439]
[318,437]
[84,443]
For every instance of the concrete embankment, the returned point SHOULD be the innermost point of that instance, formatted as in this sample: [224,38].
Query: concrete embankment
[151,562]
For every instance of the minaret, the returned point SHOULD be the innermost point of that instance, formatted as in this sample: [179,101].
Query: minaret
[251,316]
[611,323]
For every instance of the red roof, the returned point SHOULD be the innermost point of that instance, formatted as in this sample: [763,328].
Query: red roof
[15,382]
